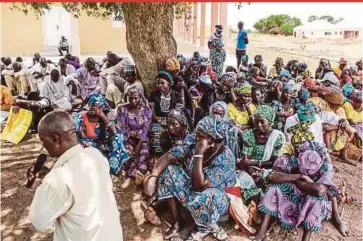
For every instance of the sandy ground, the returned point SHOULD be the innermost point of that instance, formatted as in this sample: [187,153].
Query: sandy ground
[16,199]
[15,159]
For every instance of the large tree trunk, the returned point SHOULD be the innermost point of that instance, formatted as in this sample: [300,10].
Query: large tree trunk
[149,36]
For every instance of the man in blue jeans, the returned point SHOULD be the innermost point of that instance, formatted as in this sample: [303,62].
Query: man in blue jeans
[242,41]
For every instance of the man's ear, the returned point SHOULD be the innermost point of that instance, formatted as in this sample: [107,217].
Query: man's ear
[56,138]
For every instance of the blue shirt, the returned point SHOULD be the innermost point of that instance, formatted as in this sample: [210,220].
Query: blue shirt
[241,44]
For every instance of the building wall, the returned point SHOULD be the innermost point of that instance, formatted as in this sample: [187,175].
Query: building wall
[99,36]
[321,34]
[20,34]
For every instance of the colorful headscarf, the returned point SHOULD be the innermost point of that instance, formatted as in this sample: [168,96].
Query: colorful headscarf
[266,111]
[356,96]
[303,66]
[309,83]
[311,156]
[167,76]
[228,78]
[205,79]
[241,75]
[214,127]
[204,61]
[172,64]
[99,99]
[330,76]
[181,59]
[301,133]
[245,58]
[285,73]
[307,112]
[304,94]
[243,89]
[289,87]
[335,97]
[220,104]
[347,89]
[277,84]
[179,115]
[143,99]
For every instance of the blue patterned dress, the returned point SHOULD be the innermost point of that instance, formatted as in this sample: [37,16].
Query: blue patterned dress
[111,146]
[206,206]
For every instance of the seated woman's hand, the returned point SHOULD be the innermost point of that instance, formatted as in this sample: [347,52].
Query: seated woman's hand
[307,179]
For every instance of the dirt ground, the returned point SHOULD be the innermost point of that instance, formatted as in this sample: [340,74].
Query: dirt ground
[304,50]
[15,159]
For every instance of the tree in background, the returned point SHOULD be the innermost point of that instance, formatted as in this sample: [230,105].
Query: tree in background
[328,18]
[149,29]
[277,24]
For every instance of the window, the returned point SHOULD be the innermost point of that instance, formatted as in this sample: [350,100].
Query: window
[341,32]
[312,33]
[327,33]
[356,33]
[302,32]
[336,33]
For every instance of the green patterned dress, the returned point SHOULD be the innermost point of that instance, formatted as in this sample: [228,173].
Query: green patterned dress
[256,153]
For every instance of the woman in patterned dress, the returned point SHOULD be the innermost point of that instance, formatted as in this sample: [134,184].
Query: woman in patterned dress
[299,194]
[261,147]
[285,106]
[134,120]
[161,102]
[95,129]
[177,129]
[195,175]
[217,56]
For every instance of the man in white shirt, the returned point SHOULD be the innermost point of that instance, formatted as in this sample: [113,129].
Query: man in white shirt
[76,195]
[63,46]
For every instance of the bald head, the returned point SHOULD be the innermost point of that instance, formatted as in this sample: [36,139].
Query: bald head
[56,121]
[57,131]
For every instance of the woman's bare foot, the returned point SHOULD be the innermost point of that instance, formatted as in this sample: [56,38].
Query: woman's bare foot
[172,231]
[340,226]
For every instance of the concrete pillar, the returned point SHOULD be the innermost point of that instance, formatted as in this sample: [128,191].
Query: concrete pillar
[195,23]
[75,42]
[202,42]
[185,30]
[223,19]
[214,16]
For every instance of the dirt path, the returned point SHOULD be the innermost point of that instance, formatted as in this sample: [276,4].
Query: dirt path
[16,199]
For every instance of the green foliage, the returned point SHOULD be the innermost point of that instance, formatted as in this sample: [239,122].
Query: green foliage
[99,10]
[277,24]
[328,18]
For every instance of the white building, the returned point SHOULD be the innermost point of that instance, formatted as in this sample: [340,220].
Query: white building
[322,29]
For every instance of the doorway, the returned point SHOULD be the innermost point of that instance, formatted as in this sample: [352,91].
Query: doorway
[56,23]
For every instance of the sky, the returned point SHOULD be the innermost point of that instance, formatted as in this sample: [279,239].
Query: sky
[249,14]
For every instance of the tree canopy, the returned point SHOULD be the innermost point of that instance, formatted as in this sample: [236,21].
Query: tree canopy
[277,24]
[98,10]
[328,18]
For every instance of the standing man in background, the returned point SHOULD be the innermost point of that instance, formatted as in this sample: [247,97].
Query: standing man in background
[242,41]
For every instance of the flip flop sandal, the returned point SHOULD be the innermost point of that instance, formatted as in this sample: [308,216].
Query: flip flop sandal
[149,215]
[220,234]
